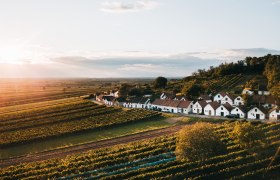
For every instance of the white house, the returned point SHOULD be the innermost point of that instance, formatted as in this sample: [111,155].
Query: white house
[248,91]
[108,100]
[256,113]
[198,107]
[263,90]
[223,110]
[218,97]
[173,106]
[210,108]
[228,98]
[240,111]
[238,101]
[274,113]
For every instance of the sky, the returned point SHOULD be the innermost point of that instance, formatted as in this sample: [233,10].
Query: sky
[132,38]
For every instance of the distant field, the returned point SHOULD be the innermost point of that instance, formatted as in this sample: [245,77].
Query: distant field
[155,159]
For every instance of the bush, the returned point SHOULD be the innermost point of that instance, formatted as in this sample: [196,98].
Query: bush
[198,142]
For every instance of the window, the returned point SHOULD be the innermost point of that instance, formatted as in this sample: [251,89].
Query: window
[236,109]
[226,99]
[256,110]
[218,96]
[238,98]
[222,108]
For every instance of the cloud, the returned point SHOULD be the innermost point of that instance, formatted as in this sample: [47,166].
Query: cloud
[128,63]
[124,7]
[275,2]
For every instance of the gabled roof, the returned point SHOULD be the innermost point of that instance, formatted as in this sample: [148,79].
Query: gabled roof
[184,104]
[274,108]
[265,111]
[202,103]
[222,94]
[227,106]
[232,97]
[241,108]
[171,103]
[214,105]
[169,95]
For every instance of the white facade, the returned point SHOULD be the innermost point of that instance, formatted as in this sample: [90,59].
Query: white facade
[197,108]
[222,111]
[256,113]
[238,101]
[247,91]
[238,111]
[108,103]
[274,115]
[226,99]
[218,98]
[189,109]
[209,110]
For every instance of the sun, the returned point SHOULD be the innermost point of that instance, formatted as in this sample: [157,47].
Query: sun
[11,55]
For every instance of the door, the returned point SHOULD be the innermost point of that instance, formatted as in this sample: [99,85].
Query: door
[210,112]
[257,116]
[222,113]
[278,117]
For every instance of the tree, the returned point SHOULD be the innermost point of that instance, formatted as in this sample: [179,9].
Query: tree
[198,142]
[160,82]
[192,90]
[124,90]
[248,135]
[135,92]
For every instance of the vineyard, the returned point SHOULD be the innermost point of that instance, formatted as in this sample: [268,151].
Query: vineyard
[54,118]
[155,159]
[225,83]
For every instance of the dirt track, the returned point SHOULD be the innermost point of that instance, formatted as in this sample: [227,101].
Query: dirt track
[84,147]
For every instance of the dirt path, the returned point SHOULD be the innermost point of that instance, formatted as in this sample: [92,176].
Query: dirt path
[88,146]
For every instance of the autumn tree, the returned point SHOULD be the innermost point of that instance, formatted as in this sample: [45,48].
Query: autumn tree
[198,142]
[248,135]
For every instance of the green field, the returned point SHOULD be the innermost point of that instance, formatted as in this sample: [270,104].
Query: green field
[74,139]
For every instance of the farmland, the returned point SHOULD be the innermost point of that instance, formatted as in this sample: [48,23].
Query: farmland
[156,159]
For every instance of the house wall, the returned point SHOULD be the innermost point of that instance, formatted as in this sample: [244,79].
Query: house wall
[218,98]
[238,101]
[239,112]
[226,99]
[274,115]
[252,114]
[197,109]
[221,110]
[207,110]
[247,92]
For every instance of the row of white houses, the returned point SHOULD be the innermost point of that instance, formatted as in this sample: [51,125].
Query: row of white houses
[223,104]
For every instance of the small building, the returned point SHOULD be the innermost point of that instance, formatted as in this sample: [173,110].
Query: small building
[240,111]
[256,113]
[119,102]
[228,98]
[210,108]
[266,101]
[224,110]
[173,106]
[108,100]
[218,97]
[248,91]
[198,107]
[274,113]
[238,101]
